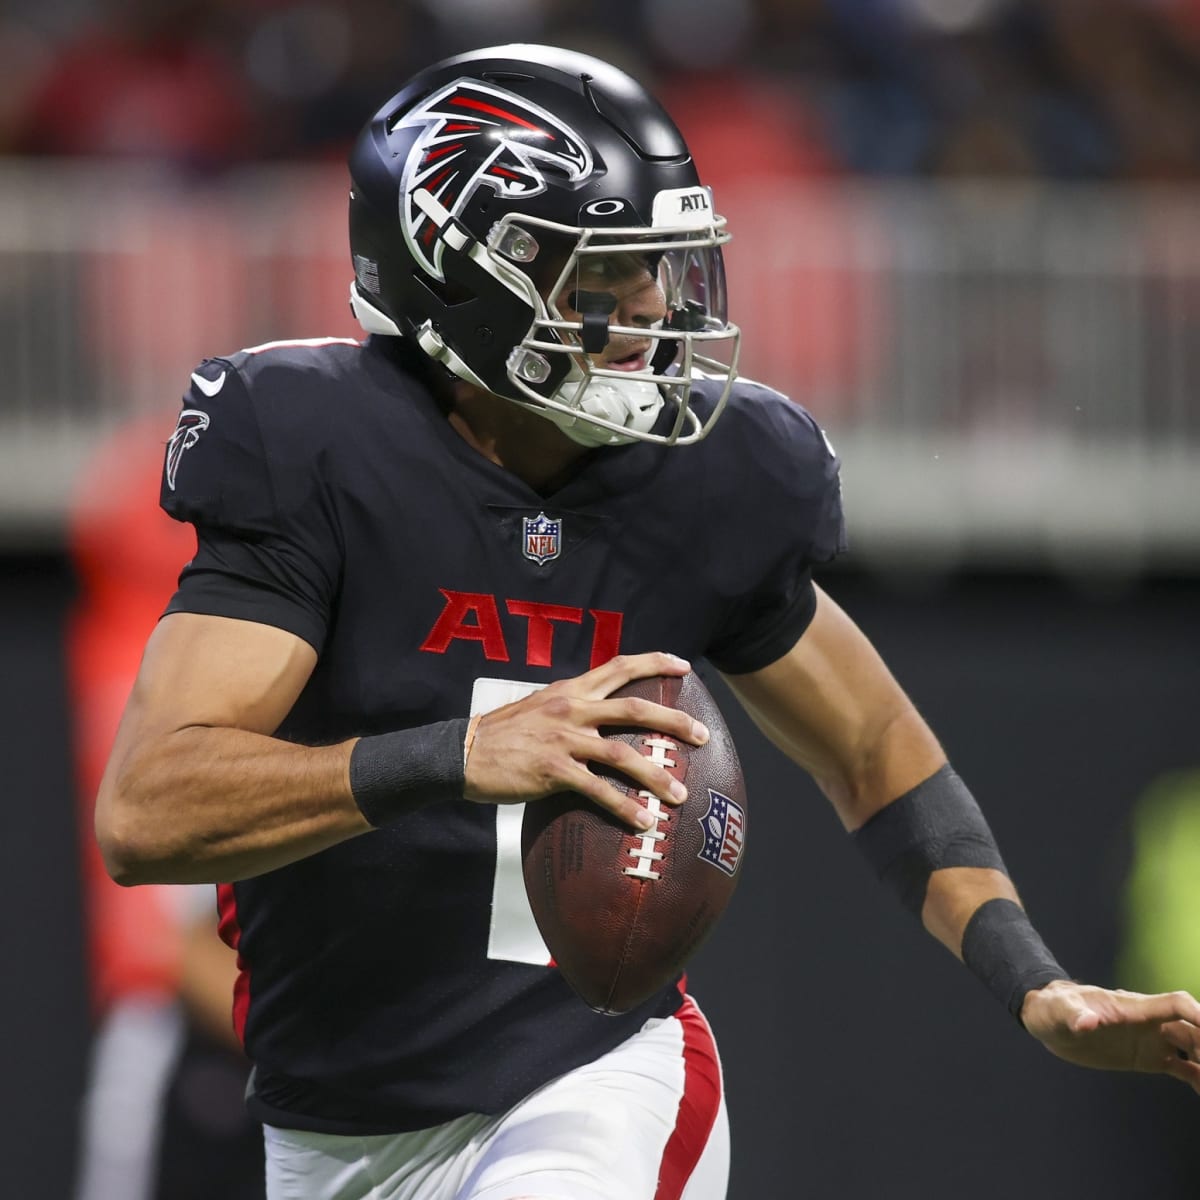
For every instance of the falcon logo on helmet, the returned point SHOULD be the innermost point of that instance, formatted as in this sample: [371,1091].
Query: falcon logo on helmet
[192,423]
[477,136]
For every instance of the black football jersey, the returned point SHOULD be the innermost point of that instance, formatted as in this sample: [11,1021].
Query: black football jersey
[393,982]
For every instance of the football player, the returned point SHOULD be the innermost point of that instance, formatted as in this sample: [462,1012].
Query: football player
[426,561]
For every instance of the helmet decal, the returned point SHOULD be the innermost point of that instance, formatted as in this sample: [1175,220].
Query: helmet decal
[475,135]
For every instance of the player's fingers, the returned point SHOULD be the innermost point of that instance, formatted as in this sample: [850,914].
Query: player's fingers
[1184,1036]
[566,711]
[1184,1071]
[1083,1020]
[606,678]
[1167,1006]
[643,771]
[638,713]
[624,807]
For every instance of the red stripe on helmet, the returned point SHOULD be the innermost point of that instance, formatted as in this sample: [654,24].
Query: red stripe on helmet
[432,154]
[467,102]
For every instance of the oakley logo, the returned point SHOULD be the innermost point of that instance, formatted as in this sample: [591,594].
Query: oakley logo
[479,136]
[604,208]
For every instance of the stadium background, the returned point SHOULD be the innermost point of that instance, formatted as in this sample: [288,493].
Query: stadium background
[966,237]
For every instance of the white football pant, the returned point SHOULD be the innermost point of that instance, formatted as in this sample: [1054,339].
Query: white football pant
[646,1121]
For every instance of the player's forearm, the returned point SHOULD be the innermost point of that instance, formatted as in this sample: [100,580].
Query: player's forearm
[933,848]
[954,895]
[205,804]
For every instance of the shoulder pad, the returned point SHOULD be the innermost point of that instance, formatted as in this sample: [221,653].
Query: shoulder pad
[795,469]
[215,471]
[304,353]
[779,436]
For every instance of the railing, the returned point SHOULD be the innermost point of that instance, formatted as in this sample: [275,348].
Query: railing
[1007,371]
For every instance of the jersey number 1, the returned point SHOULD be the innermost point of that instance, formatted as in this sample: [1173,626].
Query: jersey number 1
[513,935]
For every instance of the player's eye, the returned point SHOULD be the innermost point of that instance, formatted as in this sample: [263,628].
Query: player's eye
[619,267]
[599,268]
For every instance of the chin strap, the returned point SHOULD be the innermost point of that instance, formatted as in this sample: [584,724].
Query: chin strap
[634,404]
[369,316]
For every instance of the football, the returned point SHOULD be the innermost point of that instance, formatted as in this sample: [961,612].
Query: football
[620,911]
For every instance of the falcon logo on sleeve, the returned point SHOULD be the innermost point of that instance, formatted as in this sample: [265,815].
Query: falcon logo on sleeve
[192,423]
[475,136]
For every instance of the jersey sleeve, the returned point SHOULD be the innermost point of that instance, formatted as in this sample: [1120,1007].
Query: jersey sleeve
[268,548]
[794,505]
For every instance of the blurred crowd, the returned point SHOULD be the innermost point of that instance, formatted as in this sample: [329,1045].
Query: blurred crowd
[1063,89]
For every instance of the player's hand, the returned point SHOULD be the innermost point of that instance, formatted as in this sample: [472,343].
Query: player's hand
[544,743]
[1118,1030]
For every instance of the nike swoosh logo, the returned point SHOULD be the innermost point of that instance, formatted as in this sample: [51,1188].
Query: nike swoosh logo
[210,387]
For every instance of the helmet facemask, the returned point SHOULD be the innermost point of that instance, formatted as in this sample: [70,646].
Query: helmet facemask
[592,403]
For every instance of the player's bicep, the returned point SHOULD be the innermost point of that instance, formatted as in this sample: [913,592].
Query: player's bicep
[202,670]
[218,671]
[831,704]
[818,701]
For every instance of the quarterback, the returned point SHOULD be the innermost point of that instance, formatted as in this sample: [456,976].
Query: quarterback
[425,562]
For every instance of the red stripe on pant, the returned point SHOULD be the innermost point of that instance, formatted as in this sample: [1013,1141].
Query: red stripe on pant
[698,1107]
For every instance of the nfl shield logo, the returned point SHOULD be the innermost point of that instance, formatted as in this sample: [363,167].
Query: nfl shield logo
[724,827]
[543,538]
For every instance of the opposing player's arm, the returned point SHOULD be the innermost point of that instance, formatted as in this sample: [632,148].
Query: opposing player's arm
[196,789]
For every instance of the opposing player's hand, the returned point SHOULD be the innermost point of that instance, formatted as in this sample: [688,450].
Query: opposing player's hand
[545,742]
[1118,1030]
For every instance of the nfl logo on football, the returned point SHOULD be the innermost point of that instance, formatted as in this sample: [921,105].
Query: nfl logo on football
[543,538]
[724,828]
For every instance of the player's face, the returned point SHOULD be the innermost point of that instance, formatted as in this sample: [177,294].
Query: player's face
[632,280]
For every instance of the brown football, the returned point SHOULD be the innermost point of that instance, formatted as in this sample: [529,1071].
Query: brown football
[620,911]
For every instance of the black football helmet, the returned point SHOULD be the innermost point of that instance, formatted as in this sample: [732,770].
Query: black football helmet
[491,188]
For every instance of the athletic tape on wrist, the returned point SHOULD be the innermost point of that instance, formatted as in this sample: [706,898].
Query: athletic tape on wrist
[1004,951]
[392,774]
[469,739]
[937,824]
